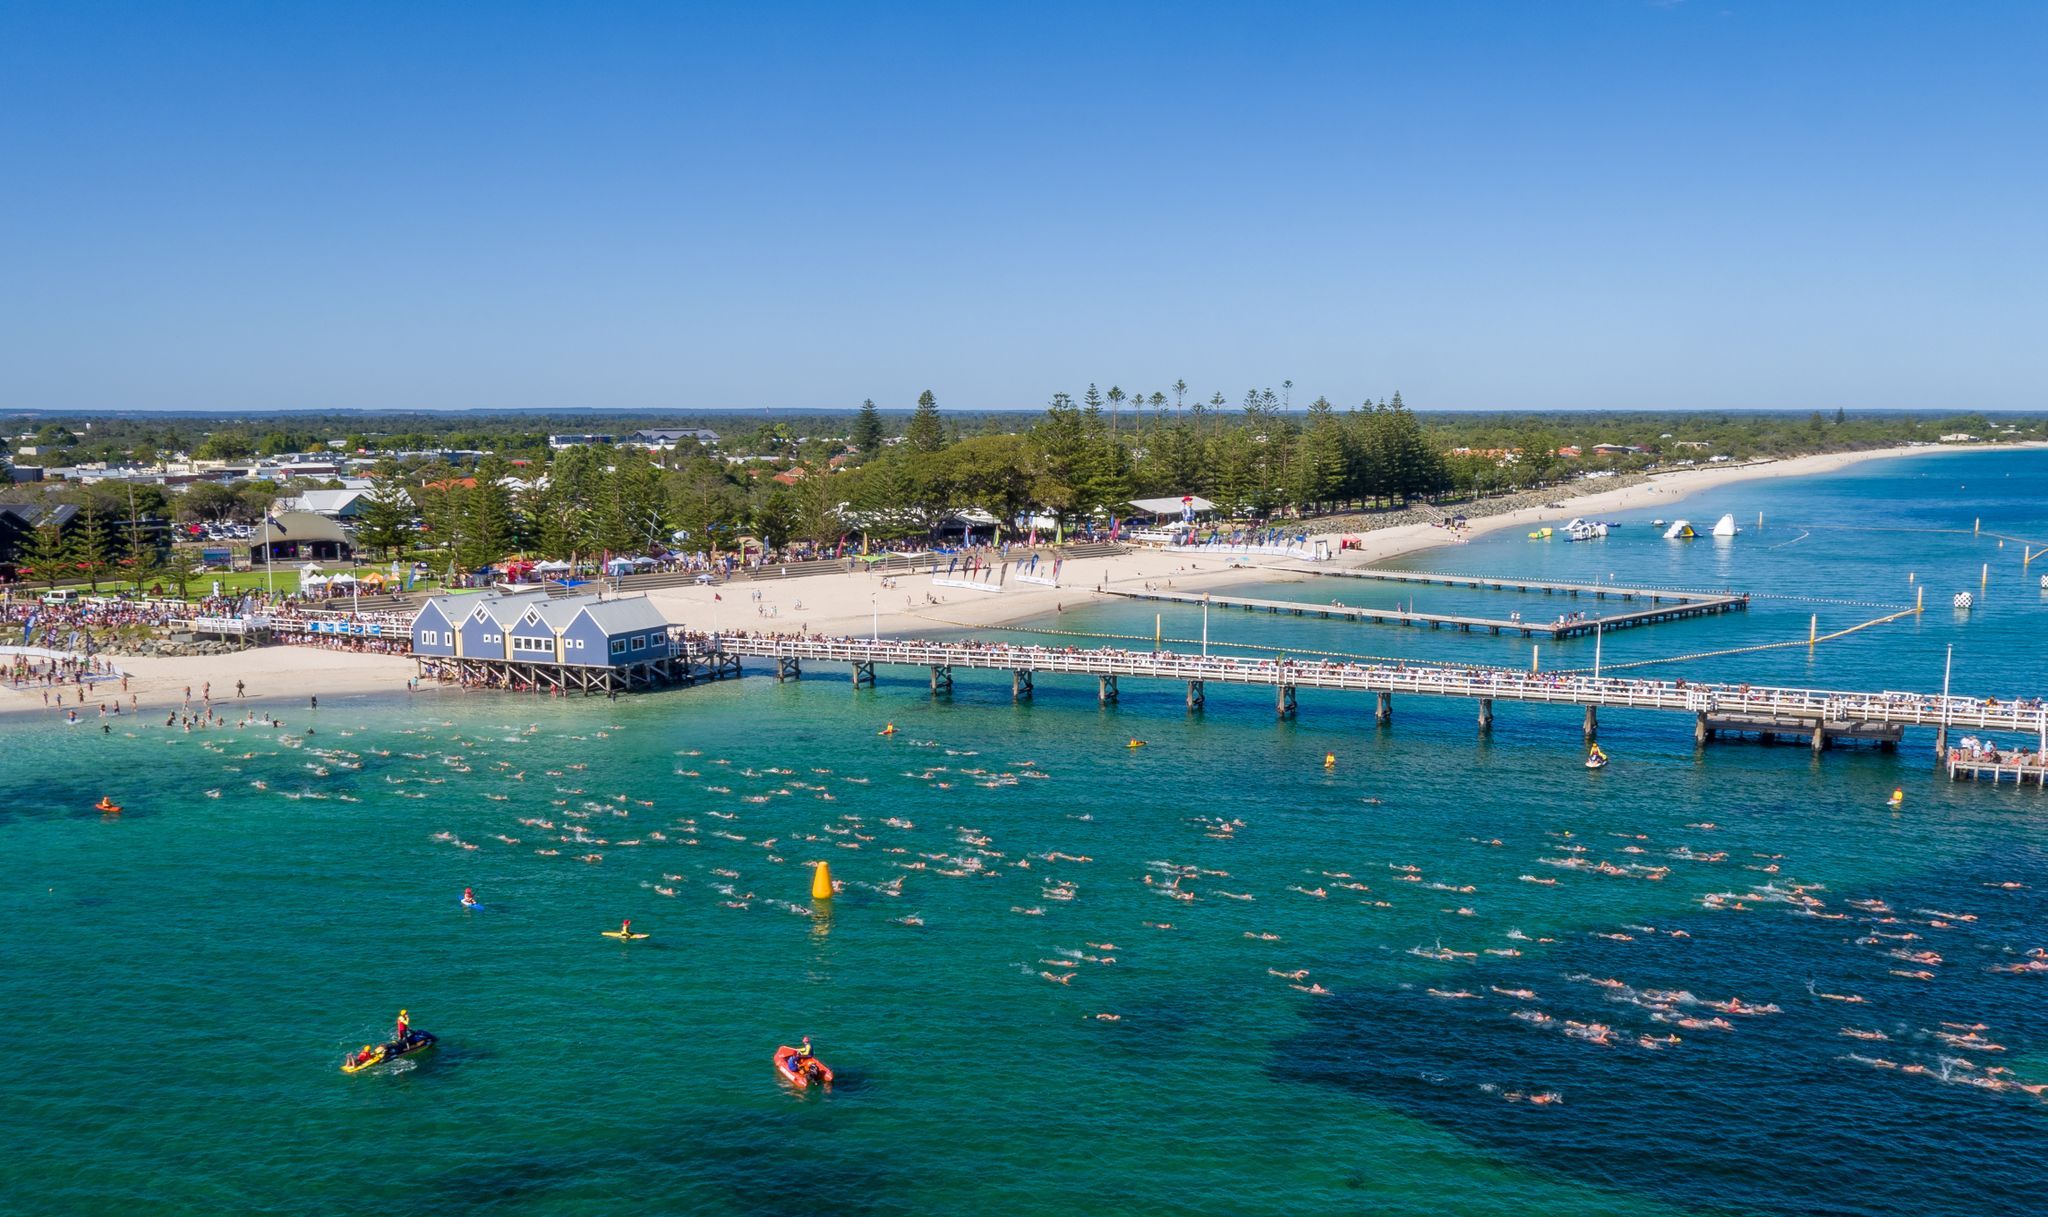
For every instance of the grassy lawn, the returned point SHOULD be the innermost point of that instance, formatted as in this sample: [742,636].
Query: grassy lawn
[283,578]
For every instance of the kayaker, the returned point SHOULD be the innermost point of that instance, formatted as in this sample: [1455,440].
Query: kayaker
[626,928]
[404,1029]
[468,897]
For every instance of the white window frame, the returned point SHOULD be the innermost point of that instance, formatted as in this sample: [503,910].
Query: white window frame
[618,646]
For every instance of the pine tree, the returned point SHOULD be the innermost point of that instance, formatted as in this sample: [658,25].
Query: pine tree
[48,555]
[927,431]
[1319,466]
[92,549]
[487,527]
[867,429]
[181,568]
[386,523]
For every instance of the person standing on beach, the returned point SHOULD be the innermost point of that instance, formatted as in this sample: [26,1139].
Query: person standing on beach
[238,688]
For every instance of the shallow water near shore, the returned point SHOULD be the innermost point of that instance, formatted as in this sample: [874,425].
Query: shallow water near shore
[182,980]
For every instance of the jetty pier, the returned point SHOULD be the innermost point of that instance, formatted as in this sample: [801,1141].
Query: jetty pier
[1665,606]
[1818,717]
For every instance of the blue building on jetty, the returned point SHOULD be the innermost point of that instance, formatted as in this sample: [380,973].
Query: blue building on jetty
[545,643]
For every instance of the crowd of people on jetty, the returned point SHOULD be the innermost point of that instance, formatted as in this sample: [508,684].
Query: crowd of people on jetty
[1452,679]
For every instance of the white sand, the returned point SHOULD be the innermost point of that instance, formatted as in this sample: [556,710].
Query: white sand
[856,603]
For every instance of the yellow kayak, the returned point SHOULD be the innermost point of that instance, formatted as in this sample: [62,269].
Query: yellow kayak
[621,935]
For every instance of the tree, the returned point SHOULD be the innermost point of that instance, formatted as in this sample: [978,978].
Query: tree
[181,568]
[867,429]
[998,473]
[486,517]
[48,555]
[208,501]
[1180,390]
[927,432]
[230,445]
[92,550]
[386,523]
[256,499]
[1319,466]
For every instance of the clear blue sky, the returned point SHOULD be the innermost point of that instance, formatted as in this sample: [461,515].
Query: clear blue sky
[1531,203]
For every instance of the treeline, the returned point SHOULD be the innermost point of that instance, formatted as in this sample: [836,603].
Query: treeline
[888,475]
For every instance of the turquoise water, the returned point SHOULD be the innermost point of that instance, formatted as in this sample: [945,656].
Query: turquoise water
[182,981]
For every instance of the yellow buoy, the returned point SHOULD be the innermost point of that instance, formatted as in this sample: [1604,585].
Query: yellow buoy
[821,882]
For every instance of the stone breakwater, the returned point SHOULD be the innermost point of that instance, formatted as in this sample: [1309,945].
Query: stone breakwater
[168,648]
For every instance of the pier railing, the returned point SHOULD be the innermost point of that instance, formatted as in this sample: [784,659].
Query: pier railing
[1815,706]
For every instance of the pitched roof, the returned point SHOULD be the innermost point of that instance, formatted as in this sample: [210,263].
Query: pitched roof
[36,515]
[325,502]
[618,616]
[452,608]
[298,526]
[508,608]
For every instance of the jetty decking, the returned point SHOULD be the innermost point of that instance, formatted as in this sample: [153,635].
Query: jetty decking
[1690,606]
[2021,767]
[1599,591]
[1817,716]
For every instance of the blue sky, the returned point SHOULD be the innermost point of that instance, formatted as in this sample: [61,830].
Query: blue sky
[1525,204]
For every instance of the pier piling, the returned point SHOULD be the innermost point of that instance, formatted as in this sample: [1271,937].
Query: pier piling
[1485,715]
[1385,713]
[1592,723]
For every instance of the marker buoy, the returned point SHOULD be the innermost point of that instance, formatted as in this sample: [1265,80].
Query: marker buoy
[821,882]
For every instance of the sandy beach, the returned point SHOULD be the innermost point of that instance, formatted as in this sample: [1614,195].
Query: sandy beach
[857,603]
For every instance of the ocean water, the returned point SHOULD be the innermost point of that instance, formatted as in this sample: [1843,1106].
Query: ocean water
[181,981]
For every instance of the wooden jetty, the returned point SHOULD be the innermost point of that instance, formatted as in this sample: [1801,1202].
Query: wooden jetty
[1691,606]
[2022,767]
[1598,591]
[1818,717]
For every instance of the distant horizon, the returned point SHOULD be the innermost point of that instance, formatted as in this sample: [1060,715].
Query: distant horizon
[1581,205]
[737,411]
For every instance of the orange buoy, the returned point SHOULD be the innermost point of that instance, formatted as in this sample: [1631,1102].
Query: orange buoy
[821,882]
